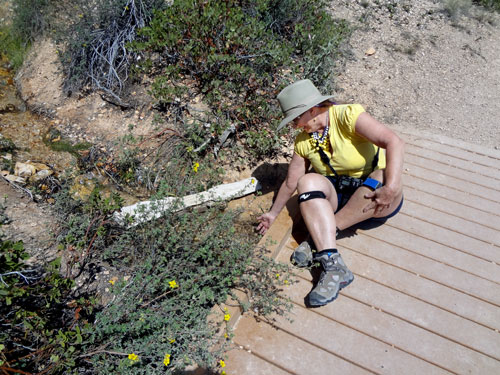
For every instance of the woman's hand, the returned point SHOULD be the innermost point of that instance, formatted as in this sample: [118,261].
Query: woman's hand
[266,221]
[381,199]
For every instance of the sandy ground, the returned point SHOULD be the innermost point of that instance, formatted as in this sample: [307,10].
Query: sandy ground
[428,70]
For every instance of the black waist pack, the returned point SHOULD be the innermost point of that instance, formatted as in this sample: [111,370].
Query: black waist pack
[345,184]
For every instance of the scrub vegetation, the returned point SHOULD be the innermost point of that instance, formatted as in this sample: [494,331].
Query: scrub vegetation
[160,307]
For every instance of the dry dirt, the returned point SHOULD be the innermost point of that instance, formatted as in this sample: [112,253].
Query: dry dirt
[428,71]
[411,65]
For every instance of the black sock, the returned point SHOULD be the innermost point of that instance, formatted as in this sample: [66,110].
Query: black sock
[331,251]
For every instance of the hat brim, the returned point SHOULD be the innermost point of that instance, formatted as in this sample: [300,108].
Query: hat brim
[302,110]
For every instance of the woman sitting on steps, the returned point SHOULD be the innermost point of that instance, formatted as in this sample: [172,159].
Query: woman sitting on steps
[353,181]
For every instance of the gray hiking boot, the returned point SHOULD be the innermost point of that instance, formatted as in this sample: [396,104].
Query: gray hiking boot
[334,277]
[302,255]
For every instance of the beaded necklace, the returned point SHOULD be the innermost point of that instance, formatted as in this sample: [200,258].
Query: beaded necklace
[324,137]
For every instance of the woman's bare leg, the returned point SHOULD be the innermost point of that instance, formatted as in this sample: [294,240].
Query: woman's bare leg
[352,213]
[318,214]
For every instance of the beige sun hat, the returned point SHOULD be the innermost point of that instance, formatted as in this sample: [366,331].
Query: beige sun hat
[297,99]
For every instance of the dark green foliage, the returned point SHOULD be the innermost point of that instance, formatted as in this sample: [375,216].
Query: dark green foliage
[41,328]
[172,272]
[492,4]
[6,144]
[239,54]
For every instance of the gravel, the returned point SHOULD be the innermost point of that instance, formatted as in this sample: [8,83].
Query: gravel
[431,69]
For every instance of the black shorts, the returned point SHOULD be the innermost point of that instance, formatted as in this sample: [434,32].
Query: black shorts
[343,198]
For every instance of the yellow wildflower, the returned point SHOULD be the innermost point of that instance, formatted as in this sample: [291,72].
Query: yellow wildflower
[286,282]
[166,360]
[172,341]
[277,275]
[223,373]
[133,357]
[222,363]
[173,284]
[195,166]
[227,317]
[226,336]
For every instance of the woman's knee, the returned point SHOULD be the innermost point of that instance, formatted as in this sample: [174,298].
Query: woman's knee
[312,182]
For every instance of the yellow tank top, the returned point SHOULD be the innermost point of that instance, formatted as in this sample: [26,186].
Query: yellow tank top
[349,153]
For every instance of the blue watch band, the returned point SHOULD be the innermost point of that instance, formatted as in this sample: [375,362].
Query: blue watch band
[372,183]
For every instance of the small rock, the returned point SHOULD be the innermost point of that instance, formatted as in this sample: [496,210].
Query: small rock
[15,179]
[370,51]
[40,175]
[39,166]
[24,170]
[82,188]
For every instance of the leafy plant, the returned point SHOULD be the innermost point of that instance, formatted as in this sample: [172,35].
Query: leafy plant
[172,273]
[238,54]
[41,326]
[492,4]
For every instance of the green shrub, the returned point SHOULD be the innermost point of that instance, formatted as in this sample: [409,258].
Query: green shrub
[31,18]
[42,327]
[12,47]
[238,54]
[492,4]
[29,21]
[170,275]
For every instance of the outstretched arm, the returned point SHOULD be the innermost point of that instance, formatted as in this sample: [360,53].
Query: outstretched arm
[383,137]
[296,169]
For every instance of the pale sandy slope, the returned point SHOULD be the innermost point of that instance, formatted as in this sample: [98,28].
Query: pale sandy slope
[428,71]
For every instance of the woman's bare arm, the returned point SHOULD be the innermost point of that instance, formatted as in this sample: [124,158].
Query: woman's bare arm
[380,135]
[296,169]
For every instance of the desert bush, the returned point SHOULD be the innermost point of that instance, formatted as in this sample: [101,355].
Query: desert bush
[29,21]
[12,47]
[492,4]
[42,325]
[96,46]
[238,55]
[456,8]
[31,18]
[169,277]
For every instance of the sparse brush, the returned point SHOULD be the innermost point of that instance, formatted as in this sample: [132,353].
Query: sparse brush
[457,8]
[97,51]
